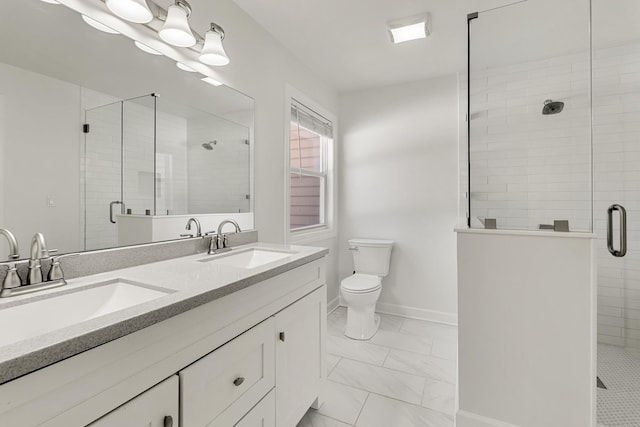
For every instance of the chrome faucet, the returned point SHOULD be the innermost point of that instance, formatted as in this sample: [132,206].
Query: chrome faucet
[188,227]
[38,252]
[13,244]
[221,242]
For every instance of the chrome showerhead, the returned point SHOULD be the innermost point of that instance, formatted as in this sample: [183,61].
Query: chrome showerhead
[552,107]
[209,145]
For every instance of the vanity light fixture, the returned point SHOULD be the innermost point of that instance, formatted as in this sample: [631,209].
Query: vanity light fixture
[98,25]
[211,81]
[413,28]
[185,67]
[176,29]
[143,47]
[132,10]
[213,52]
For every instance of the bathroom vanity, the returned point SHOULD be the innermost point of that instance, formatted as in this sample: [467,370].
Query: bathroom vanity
[237,339]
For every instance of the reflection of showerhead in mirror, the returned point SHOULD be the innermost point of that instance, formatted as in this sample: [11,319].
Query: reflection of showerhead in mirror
[209,145]
[552,107]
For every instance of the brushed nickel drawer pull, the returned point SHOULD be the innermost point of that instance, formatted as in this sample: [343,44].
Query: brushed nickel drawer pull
[282,336]
[168,421]
[238,381]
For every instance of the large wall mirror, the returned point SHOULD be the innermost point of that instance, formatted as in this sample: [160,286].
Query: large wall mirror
[160,143]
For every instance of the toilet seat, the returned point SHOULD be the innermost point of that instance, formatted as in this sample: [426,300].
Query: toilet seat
[361,283]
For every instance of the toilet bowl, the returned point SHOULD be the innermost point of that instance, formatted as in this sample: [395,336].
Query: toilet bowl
[361,291]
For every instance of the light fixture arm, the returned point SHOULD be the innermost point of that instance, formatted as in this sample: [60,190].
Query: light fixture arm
[218,29]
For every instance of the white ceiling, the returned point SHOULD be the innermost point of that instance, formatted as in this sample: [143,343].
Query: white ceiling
[346,42]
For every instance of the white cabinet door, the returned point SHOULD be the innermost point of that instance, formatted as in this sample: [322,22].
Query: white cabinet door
[262,415]
[156,407]
[300,367]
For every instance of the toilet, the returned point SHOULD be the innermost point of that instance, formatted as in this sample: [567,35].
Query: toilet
[361,291]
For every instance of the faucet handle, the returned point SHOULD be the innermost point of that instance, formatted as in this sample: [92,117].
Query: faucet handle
[12,279]
[55,272]
[210,233]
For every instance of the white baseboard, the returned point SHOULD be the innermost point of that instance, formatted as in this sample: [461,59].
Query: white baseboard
[333,304]
[469,419]
[418,313]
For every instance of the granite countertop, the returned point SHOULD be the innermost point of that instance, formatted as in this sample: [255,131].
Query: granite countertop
[188,281]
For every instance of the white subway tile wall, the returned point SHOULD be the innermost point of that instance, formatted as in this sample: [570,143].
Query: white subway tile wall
[528,169]
[616,138]
[222,183]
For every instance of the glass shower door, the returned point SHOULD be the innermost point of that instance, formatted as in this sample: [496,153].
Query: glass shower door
[616,137]
[102,174]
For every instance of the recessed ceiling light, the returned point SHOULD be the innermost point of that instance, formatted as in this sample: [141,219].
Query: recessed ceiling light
[211,81]
[416,27]
[98,25]
[185,67]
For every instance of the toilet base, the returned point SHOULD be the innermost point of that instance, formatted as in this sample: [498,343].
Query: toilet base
[362,323]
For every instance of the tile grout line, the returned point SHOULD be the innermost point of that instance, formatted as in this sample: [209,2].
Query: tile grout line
[362,409]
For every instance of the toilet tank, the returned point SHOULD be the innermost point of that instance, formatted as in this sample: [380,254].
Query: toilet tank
[371,256]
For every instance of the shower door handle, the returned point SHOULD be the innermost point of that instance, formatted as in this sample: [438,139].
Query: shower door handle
[115,202]
[623,230]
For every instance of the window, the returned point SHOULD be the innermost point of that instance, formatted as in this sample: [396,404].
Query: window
[310,169]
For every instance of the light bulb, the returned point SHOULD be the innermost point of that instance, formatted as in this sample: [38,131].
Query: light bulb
[176,29]
[213,52]
[132,10]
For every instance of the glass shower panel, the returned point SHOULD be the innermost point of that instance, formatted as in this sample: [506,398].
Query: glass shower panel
[138,160]
[529,116]
[616,138]
[102,175]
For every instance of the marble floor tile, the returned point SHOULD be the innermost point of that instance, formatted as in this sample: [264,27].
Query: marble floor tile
[381,411]
[332,361]
[430,329]
[445,349]
[313,419]
[356,350]
[439,396]
[390,322]
[402,341]
[342,402]
[418,364]
[375,379]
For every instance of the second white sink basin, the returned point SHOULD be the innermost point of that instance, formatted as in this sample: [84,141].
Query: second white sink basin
[36,317]
[249,258]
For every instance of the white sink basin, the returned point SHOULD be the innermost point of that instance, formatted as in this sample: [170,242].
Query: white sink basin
[30,319]
[250,258]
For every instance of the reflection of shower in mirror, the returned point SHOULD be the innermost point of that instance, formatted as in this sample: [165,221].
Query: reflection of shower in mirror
[209,145]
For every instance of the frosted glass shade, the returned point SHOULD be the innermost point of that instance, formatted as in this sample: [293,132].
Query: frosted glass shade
[98,25]
[143,47]
[132,10]
[176,29]
[213,52]
[185,67]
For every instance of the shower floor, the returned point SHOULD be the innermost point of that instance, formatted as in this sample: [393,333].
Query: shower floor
[619,370]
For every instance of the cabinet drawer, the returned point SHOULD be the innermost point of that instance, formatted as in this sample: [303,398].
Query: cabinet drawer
[220,388]
[156,407]
[262,415]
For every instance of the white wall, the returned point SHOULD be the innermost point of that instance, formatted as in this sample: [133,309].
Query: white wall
[41,116]
[260,67]
[398,178]
[527,326]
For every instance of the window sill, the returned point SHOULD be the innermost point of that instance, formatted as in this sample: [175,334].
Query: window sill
[309,236]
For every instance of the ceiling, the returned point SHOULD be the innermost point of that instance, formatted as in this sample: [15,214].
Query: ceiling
[347,44]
